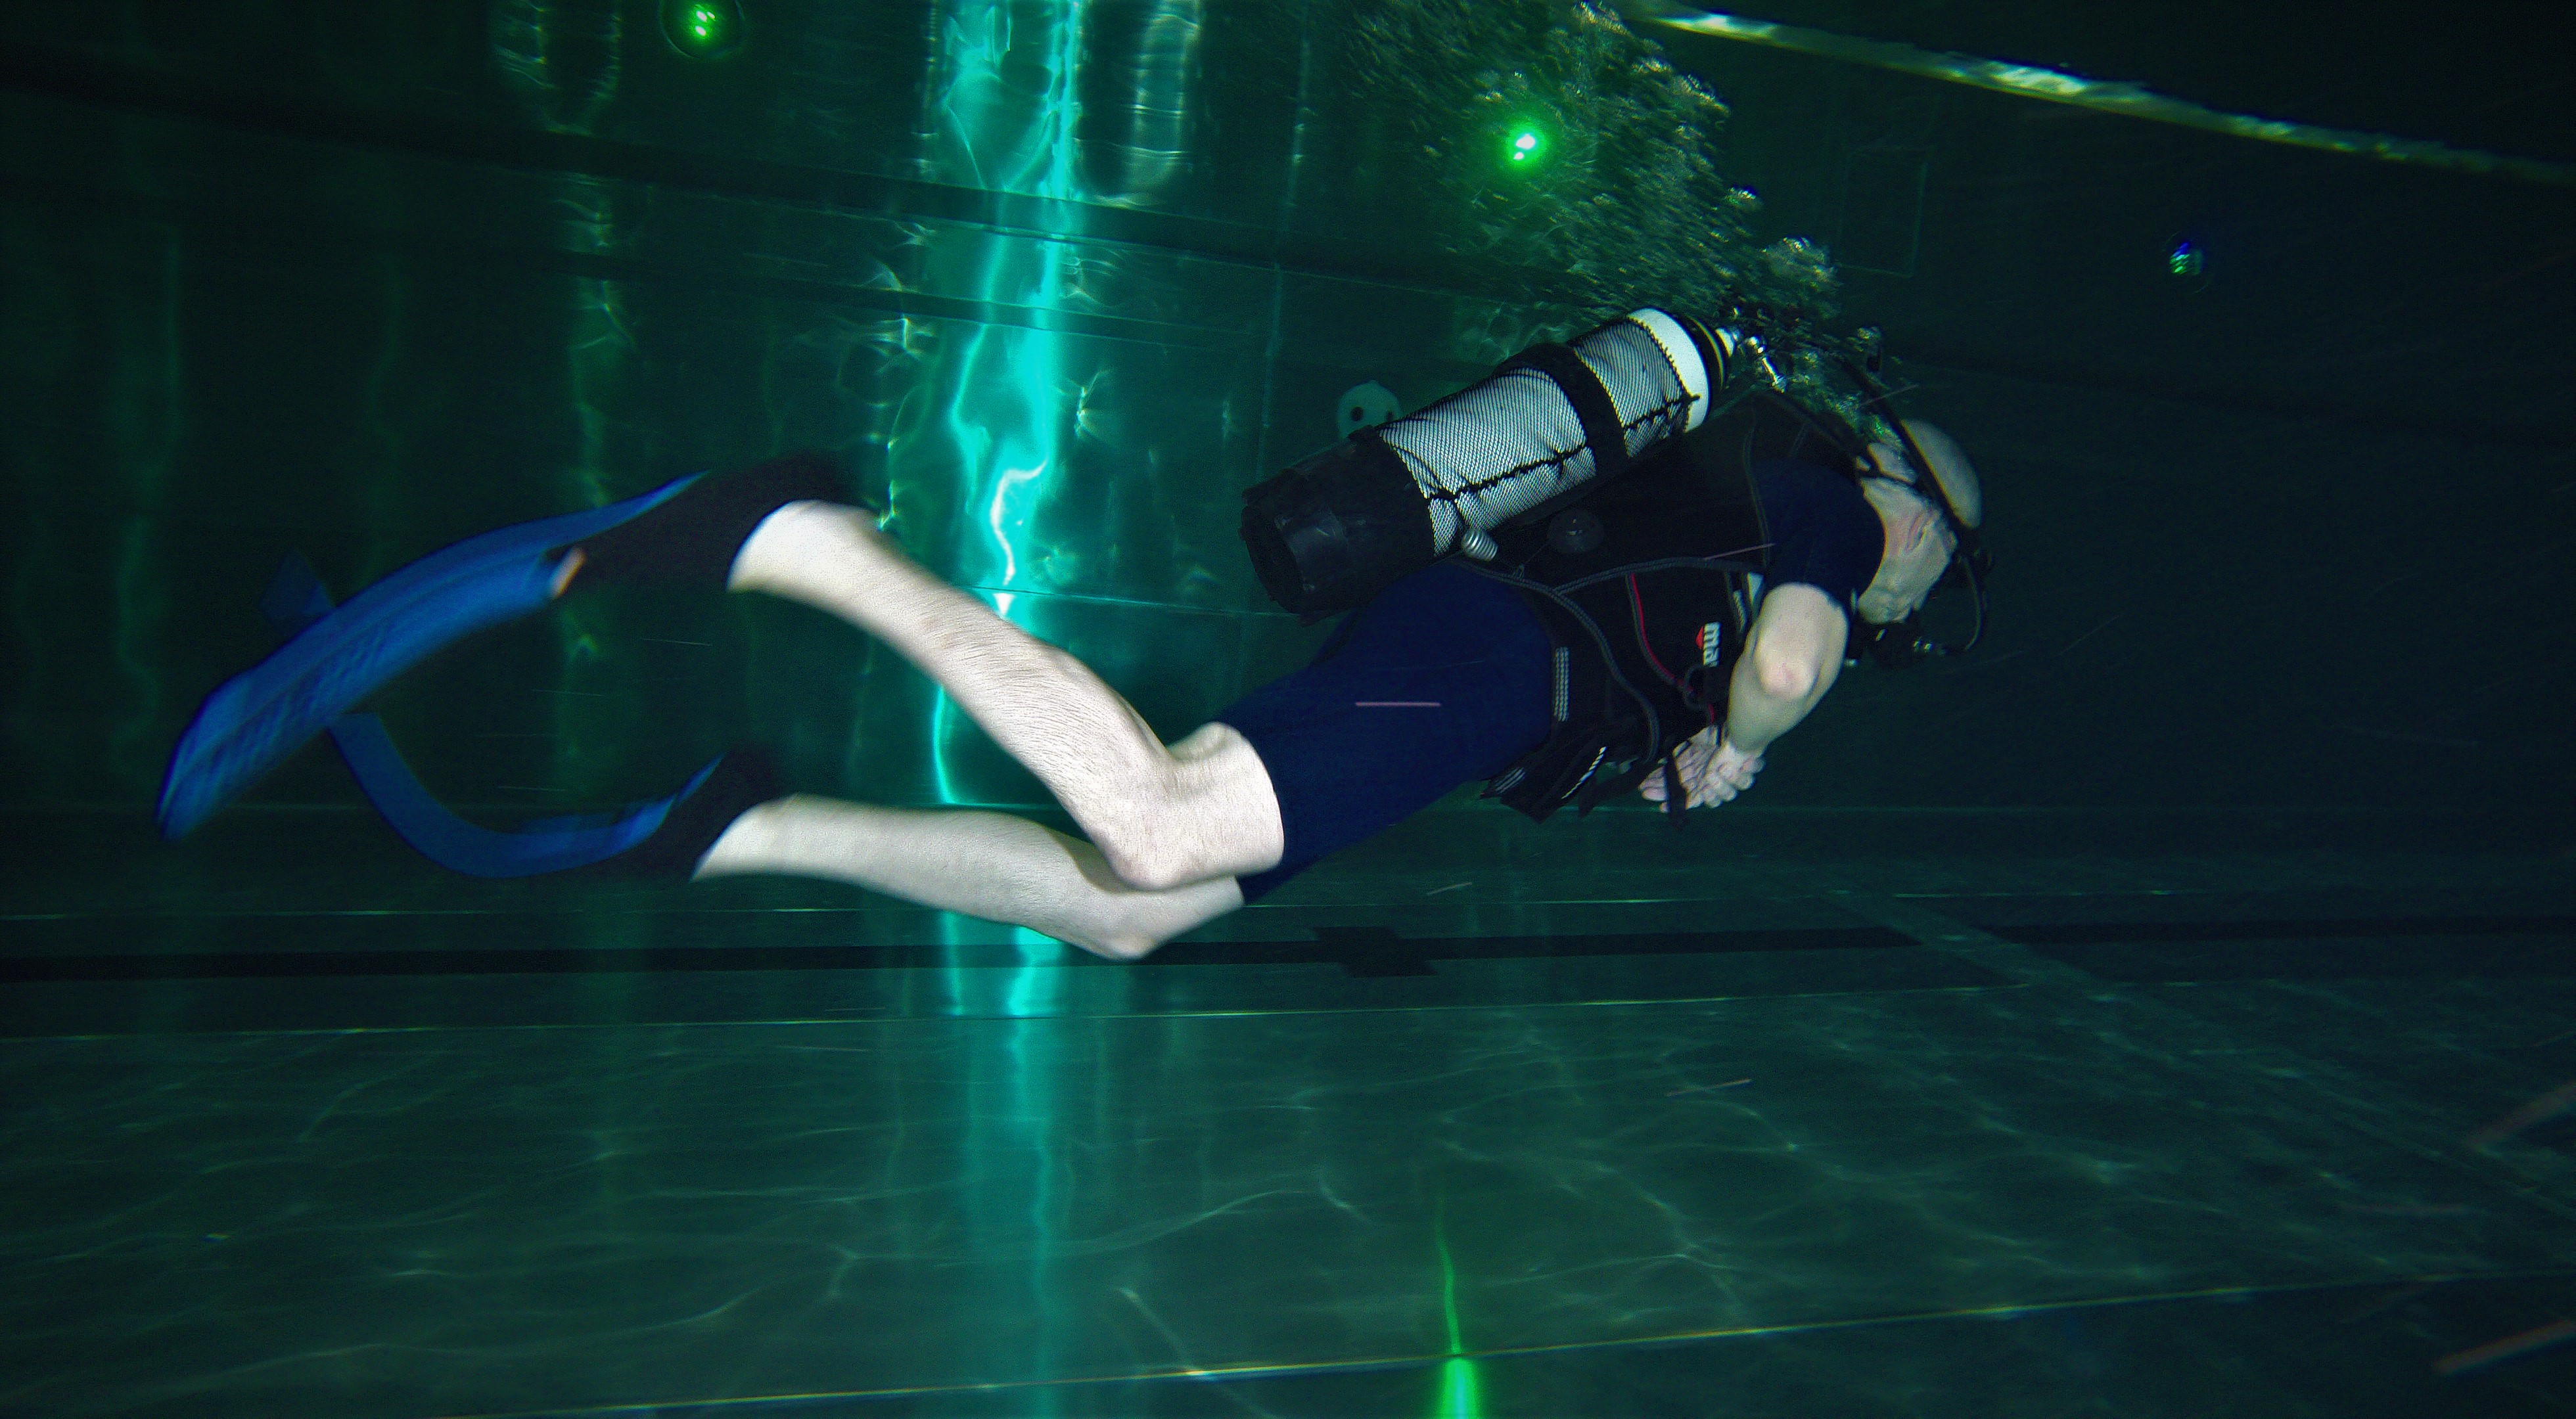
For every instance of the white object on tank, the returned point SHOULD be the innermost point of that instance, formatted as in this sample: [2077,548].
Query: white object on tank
[1365,406]
[1684,353]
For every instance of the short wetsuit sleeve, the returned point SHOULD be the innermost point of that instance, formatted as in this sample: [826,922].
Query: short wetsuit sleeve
[1824,534]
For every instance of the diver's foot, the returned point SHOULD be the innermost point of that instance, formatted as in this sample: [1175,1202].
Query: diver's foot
[743,780]
[565,572]
[695,536]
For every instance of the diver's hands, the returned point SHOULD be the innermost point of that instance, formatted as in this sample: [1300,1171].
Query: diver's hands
[1732,769]
[1712,769]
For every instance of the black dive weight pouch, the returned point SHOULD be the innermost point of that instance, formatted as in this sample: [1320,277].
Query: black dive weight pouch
[1337,529]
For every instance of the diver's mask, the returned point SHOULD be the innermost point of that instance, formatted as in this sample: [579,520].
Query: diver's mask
[1952,618]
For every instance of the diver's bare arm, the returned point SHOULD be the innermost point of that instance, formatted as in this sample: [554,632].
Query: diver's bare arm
[1790,660]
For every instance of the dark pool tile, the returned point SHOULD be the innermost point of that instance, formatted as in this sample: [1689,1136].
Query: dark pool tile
[1072,987]
[2430,956]
[2402,1349]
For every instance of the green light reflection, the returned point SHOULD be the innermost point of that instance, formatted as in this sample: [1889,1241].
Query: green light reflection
[2109,96]
[1459,1397]
[703,29]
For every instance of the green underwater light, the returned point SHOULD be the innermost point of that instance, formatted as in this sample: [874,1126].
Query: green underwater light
[702,29]
[2185,259]
[1524,146]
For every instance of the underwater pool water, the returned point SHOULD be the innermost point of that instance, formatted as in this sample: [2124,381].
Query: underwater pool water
[2163,1010]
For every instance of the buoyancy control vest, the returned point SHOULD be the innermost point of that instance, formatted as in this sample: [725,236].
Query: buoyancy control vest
[1582,474]
[1647,585]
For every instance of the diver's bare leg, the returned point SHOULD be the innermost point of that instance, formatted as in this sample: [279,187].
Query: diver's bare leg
[1161,817]
[1023,873]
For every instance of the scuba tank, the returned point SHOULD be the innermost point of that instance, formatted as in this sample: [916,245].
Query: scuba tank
[1343,525]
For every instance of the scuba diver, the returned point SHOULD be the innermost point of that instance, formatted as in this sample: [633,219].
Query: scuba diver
[1626,561]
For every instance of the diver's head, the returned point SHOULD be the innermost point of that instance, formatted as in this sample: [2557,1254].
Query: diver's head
[1919,538]
[1950,468]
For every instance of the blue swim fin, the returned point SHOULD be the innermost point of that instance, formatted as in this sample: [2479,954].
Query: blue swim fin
[295,600]
[547,845]
[254,720]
